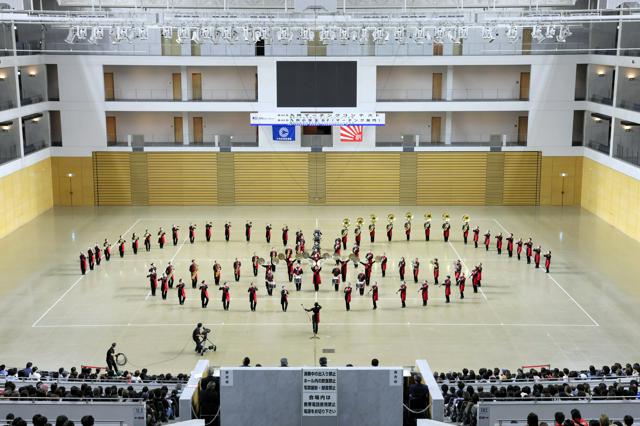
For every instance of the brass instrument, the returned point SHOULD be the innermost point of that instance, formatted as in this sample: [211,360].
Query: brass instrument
[326,256]
[359,221]
[445,217]
[281,256]
[354,258]
[427,217]
[346,222]
[408,216]
[466,218]
[261,261]
[378,258]
[305,255]
[391,217]
[373,218]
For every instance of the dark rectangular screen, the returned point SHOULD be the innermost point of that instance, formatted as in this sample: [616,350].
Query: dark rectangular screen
[317,84]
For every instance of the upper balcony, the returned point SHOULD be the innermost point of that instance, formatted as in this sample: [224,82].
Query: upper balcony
[628,96]
[7,89]
[595,83]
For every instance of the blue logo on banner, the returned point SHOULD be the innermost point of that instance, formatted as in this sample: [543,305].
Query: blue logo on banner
[284,133]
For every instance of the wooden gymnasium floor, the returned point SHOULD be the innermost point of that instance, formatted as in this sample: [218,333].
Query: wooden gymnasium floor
[584,312]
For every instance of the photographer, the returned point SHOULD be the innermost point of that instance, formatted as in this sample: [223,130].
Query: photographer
[199,336]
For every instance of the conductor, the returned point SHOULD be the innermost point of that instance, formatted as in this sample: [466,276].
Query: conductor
[315,316]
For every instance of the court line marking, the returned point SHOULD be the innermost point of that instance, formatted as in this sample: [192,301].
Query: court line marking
[595,323]
[467,268]
[500,225]
[171,260]
[306,324]
[57,301]
[131,227]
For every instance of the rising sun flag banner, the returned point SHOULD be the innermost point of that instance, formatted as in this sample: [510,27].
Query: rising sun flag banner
[351,133]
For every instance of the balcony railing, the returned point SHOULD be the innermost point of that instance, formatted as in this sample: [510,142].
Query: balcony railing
[31,100]
[8,104]
[595,145]
[630,105]
[468,94]
[627,154]
[30,148]
[400,143]
[605,100]
[145,95]
[230,95]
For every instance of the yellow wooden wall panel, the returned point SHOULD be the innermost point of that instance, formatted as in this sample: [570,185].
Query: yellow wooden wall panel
[24,195]
[188,178]
[521,178]
[271,178]
[362,178]
[551,181]
[451,178]
[112,177]
[81,183]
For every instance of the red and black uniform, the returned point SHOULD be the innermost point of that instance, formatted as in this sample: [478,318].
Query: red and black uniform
[347,297]
[460,282]
[226,296]
[475,275]
[536,256]
[403,294]
[98,254]
[465,232]
[147,241]
[519,245]
[427,230]
[499,243]
[407,230]
[192,233]
[446,229]
[360,283]
[253,297]
[290,263]
[372,232]
[285,236]
[227,231]
[358,234]
[174,235]
[457,269]
[337,247]
[343,269]
[479,275]
[193,269]
[436,271]
[401,268]
[162,238]
[487,241]
[389,231]
[83,263]
[273,257]
[374,295]
[267,233]
[135,244]
[297,277]
[368,268]
[344,235]
[236,269]
[208,230]
[416,270]
[547,261]
[424,290]
[315,317]
[169,273]
[529,250]
[164,287]
[476,236]
[255,264]
[91,258]
[153,280]
[121,244]
[510,245]
[383,265]
[107,250]
[356,252]
[204,294]
[217,272]
[284,299]
[335,278]
[269,283]
[247,231]
[447,288]
[298,236]
[316,277]
[182,294]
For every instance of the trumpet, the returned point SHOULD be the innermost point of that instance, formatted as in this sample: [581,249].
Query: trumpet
[408,216]
[391,217]
[445,217]
[466,218]
[346,222]
[359,221]
[427,217]
[373,218]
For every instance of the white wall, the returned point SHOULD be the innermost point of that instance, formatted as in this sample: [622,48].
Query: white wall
[235,124]
[220,83]
[143,82]
[479,126]
[155,126]
[407,82]
[408,123]
[487,82]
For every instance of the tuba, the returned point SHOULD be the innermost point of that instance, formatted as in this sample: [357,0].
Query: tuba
[373,218]
[391,217]
[359,221]
[445,217]
[466,218]
[346,222]
[408,216]
[427,217]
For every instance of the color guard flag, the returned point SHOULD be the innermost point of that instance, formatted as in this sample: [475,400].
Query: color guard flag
[351,133]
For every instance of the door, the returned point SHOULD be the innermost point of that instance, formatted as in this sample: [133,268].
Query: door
[523,128]
[436,129]
[437,49]
[109,92]
[196,86]
[177,130]
[197,130]
[524,86]
[436,86]
[112,137]
[177,86]
[457,48]
[526,40]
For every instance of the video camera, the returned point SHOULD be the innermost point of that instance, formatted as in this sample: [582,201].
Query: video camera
[205,338]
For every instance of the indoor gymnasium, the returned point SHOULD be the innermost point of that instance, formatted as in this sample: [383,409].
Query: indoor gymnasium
[319,212]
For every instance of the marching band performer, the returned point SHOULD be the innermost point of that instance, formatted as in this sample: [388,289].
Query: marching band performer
[204,294]
[153,279]
[269,282]
[174,234]
[547,260]
[255,264]
[164,286]
[407,229]
[343,268]
[302,243]
[162,237]
[91,258]
[347,296]
[253,297]
[368,267]
[389,231]
[298,235]
[536,256]
[83,263]
[227,231]
[217,272]
[424,290]
[436,270]
[357,231]
[474,279]
[267,233]
[226,296]
[479,274]
[284,298]
[356,252]
[401,268]
[499,243]
[446,229]
[273,258]
[360,283]
[98,253]
[383,264]
[457,269]
[529,249]
[315,269]
[447,288]
[335,278]
[427,229]
[247,231]
[510,244]
[460,282]
[465,231]
[169,273]
[182,294]
[372,232]
[147,240]
[315,316]
[290,262]
[519,247]
[121,242]
[337,247]
[192,233]
[344,233]
[297,276]
[285,235]
[107,249]
[487,239]
[236,269]
[135,243]
[416,269]
[476,235]
[208,230]
[193,270]
[374,295]
[403,294]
